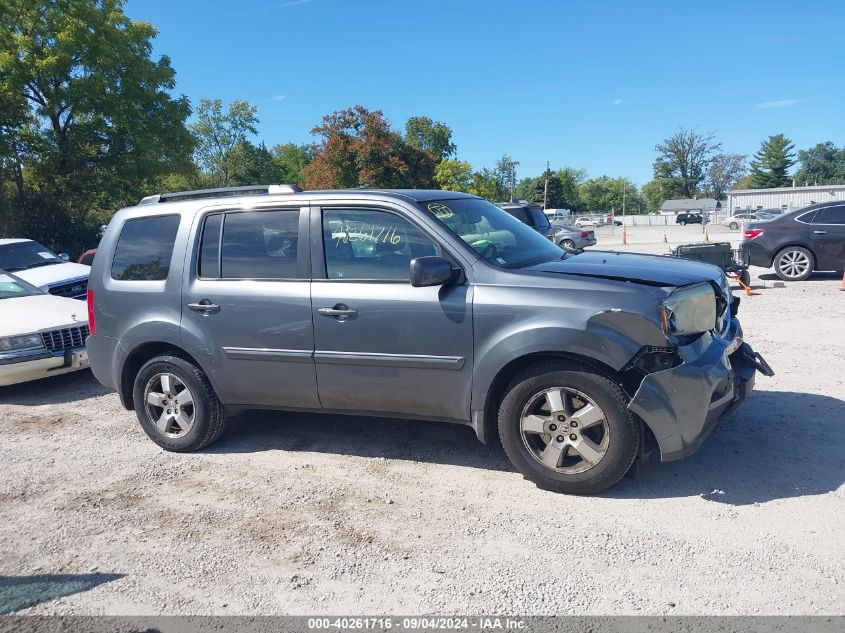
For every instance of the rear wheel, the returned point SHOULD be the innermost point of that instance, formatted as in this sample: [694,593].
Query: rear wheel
[794,263]
[733,226]
[683,223]
[176,404]
[567,428]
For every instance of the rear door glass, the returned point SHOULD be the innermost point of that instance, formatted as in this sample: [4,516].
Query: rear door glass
[145,248]
[260,245]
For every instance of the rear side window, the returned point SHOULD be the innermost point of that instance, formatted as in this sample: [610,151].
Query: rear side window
[209,265]
[144,249]
[540,219]
[830,215]
[260,245]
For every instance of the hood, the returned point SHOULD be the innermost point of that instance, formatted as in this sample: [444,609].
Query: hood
[25,315]
[45,276]
[652,270]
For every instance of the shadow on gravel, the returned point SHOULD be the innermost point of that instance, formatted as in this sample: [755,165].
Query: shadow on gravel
[22,592]
[777,445]
[61,389]
[770,276]
[423,441]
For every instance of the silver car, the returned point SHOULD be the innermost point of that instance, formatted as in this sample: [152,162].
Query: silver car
[567,236]
[429,305]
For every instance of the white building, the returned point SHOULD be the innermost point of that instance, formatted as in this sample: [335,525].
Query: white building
[786,198]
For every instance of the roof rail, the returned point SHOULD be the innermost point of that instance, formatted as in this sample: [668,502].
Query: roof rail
[249,190]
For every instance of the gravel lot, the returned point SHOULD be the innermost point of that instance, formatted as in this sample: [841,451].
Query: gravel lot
[304,514]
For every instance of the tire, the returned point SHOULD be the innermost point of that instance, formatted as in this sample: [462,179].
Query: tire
[526,407]
[201,417]
[733,226]
[794,263]
[745,277]
[683,223]
[567,244]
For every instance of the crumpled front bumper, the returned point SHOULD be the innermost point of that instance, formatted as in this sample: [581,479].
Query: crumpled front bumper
[682,405]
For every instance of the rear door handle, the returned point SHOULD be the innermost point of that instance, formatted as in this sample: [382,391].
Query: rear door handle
[339,311]
[820,232]
[205,306]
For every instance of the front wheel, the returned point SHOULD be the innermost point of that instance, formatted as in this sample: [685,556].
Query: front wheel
[567,428]
[567,244]
[733,226]
[794,263]
[682,223]
[176,404]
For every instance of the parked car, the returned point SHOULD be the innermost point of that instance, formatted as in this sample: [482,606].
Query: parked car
[41,267]
[532,216]
[799,242]
[40,335]
[585,221]
[573,237]
[689,218]
[87,257]
[579,361]
[735,221]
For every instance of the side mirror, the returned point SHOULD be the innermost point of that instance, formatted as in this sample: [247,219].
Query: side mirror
[64,257]
[430,271]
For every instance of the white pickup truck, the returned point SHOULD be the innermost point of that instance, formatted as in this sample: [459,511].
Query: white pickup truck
[41,267]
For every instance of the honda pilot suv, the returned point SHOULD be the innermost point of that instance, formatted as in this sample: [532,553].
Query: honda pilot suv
[427,305]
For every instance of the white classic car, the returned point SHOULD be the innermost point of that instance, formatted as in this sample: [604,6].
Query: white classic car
[41,267]
[40,335]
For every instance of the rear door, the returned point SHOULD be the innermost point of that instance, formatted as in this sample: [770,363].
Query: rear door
[246,305]
[827,232]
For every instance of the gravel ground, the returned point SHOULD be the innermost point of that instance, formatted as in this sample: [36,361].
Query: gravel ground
[302,514]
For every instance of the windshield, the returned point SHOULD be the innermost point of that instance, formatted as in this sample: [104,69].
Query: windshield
[24,255]
[11,287]
[494,234]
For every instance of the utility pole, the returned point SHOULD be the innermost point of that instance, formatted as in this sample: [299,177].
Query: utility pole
[513,178]
[623,198]
[546,187]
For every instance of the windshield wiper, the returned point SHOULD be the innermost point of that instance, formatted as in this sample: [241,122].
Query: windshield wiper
[44,263]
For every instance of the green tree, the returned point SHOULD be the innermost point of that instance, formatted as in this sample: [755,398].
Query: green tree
[504,175]
[218,133]
[291,159]
[486,185]
[683,159]
[822,164]
[430,136]
[724,172]
[571,179]
[526,187]
[771,164]
[606,195]
[88,120]
[654,193]
[453,175]
[359,148]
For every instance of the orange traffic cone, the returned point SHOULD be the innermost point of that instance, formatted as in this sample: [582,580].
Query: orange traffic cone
[624,234]
[842,285]
[664,237]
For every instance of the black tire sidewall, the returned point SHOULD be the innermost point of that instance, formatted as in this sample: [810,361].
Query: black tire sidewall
[624,432]
[185,372]
[733,226]
[788,249]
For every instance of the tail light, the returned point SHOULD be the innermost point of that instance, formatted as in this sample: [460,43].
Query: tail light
[750,234]
[585,234]
[91,326]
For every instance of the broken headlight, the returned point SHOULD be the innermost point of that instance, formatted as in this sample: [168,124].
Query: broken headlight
[688,311]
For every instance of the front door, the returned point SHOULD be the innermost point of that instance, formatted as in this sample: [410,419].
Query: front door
[381,345]
[247,307]
[828,235]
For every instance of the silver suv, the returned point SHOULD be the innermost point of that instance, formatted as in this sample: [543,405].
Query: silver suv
[430,305]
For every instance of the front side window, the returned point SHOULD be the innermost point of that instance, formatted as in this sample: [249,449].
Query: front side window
[498,237]
[830,215]
[144,248]
[368,244]
[258,245]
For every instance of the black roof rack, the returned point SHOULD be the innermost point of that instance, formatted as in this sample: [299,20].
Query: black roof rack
[249,190]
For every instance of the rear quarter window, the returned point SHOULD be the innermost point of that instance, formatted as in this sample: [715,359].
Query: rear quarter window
[144,248]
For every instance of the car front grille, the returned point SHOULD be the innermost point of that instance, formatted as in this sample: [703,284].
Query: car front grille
[66,338]
[75,289]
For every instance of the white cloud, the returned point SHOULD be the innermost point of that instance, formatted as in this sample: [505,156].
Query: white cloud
[279,97]
[783,103]
[617,101]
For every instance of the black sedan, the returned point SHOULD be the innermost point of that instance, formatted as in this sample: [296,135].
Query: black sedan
[797,243]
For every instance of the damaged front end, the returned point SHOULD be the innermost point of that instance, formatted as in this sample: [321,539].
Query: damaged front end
[706,374]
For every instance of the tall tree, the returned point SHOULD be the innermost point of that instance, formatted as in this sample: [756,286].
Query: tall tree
[431,136]
[822,164]
[606,195]
[94,122]
[724,172]
[571,179]
[684,158]
[504,173]
[358,148]
[291,159]
[453,175]
[548,189]
[218,133]
[771,164]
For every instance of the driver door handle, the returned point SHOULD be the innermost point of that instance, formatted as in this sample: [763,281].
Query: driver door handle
[820,232]
[339,311]
[205,306]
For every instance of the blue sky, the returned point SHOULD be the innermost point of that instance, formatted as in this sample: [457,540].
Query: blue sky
[588,84]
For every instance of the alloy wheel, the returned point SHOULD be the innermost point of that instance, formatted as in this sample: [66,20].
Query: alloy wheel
[169,405]
[565,430]
[794,264]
